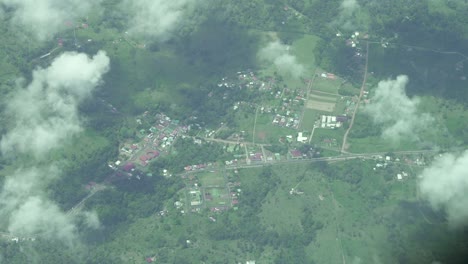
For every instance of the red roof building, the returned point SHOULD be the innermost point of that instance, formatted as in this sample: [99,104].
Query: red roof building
[128,167]
[295,153]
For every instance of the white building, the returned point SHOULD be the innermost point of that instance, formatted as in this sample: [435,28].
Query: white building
[329,122]
[301,138]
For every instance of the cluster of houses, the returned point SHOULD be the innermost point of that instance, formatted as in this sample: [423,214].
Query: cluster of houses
[328,75]
[153,140]
[197,167]
[256,157]
[284,121]
[165,131]
[233,162]
[245,79]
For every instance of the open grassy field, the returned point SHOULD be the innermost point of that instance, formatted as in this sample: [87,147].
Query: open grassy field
[327,85]
[310,117]
[266,132]
[302,50]
[445,130]
[216,197]
[330,138]
[208,178]
[377,143]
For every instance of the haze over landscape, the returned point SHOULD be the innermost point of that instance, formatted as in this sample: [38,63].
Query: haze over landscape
[249,131]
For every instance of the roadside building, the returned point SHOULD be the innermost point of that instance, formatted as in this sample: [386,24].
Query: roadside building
[301,138]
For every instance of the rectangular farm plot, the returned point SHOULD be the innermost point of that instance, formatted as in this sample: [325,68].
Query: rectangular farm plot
[321,101]
[321,106]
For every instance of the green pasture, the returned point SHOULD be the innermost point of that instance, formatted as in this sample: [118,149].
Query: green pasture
[266,132]
[326,85]
[321,134]
[309,119]
[208,178]
[220,197]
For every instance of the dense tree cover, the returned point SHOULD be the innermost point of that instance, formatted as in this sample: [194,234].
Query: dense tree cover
[278,148]
[221,45]
[219,48]
[417,24]
[403,23]
[364,127]
[131,199]
[245,224]
[441,243]
[40,251]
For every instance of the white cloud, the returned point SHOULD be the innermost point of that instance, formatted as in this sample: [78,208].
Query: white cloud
[392,108]
[26,212]
[156,18]
[91,219]
[278,54]
[348,7]
[45,112]
[445,185]
[44,18]
[345,17]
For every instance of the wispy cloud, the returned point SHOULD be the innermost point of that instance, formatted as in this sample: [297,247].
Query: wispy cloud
[345,17]
[44,18]
[445,185]
[45,113]
[26,210]
[278,54]
[396,112]
[156,18]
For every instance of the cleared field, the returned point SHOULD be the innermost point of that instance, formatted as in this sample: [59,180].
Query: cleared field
[266,132]
[211,179]
[321,106]
[216,197]
[310,116]
[322,97]
[326,85]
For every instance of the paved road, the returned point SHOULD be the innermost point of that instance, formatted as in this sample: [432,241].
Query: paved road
[343,157]
[233,142]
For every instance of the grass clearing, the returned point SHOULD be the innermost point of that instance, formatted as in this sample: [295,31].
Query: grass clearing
[211,178]
[326,85]
[266,132]
[320,105]
[303,49]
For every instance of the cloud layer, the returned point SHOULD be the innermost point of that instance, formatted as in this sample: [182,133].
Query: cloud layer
[45,113]
[26,212]
[44,18]
[445,185]
[396,112]
[277,53]
[345,17]
[156,18]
